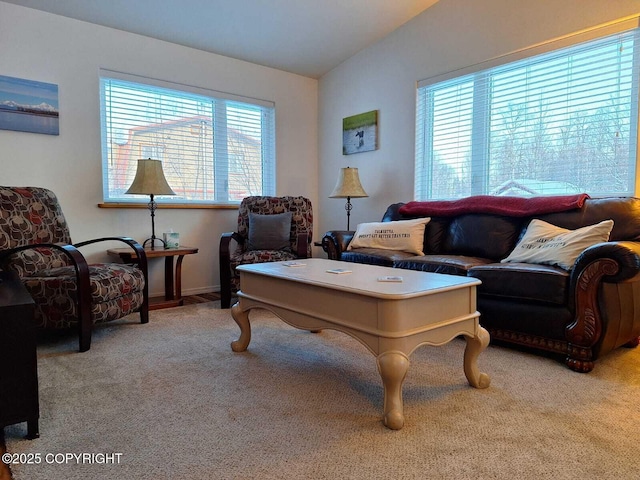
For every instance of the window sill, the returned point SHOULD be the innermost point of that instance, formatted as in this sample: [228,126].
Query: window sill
[170,205]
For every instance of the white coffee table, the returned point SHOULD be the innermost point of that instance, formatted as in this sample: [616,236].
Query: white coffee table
[391,319]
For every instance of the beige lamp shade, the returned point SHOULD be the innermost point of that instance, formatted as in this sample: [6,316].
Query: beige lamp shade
[348,185]
[149,179]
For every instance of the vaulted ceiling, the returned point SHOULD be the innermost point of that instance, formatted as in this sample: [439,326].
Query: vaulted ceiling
[307,37]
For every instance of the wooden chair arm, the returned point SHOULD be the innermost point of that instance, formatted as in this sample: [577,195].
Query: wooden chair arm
[140,260]
[81,268]
[303,243]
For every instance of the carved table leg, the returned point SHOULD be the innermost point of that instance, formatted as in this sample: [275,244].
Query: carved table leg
[242,319]
[393,368]
[475,345]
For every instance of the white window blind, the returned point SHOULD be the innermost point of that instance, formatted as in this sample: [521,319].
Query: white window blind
[213,149]
[561,122]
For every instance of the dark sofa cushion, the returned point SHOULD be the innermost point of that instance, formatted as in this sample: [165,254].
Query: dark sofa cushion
[624,211]
[486,236]
[449,264]
[539,319]
[374,256]
[435,234]
[523,281]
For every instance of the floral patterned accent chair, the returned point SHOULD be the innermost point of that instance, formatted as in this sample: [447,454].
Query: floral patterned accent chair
[270,229]
[68,292]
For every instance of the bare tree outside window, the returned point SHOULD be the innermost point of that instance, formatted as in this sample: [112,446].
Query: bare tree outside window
[559,123]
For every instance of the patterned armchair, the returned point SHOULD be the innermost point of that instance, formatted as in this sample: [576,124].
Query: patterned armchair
[297,246]
[35,242]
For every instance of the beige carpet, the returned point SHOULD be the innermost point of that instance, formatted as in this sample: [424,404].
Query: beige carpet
[176,403]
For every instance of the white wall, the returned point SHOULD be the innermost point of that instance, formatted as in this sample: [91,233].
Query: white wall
[451,34]
[54,49]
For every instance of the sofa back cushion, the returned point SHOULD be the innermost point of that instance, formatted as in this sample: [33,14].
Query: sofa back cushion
[478,235]
[624,211]
[493,236]
[474,235]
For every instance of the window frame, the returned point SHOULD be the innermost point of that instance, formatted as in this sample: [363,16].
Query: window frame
[221,196]
[425,157]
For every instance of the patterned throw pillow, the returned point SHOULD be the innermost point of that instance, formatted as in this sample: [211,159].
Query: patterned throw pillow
[404,235]
[547,244]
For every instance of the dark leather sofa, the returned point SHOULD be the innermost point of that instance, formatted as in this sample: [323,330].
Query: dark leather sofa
[580,314]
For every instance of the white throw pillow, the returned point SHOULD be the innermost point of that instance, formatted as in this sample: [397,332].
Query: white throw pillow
[403,235]
[551,245]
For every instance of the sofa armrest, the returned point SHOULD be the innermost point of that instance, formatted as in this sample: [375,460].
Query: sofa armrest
[335,242]
[625,254]
[611,262]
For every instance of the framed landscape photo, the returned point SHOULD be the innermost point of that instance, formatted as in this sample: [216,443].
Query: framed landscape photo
[28,106]
[360,133]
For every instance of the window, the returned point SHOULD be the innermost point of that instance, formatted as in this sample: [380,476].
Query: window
[214,148]
[559,122]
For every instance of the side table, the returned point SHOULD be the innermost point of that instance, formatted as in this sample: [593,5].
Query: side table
[18,357]
[172,289]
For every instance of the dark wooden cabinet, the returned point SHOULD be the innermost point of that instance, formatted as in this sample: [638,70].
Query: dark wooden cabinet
[18,359]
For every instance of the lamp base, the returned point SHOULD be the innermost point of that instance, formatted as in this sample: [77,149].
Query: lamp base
[348,207]
[152,242]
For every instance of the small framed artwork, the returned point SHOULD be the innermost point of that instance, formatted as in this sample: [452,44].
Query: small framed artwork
[360,133]
[28,106]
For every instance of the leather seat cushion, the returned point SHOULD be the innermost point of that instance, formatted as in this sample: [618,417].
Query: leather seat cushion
[449,264]
[523,281]
[375,256]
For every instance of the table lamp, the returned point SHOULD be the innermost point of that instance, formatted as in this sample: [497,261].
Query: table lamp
[150,180]
[348,186]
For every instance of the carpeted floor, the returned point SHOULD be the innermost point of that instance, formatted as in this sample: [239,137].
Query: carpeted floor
[5,472]
[176,403]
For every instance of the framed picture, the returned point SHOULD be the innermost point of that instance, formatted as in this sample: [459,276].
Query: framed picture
[28,106]
[360,133]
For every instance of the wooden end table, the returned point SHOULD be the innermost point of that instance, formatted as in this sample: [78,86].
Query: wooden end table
[172,289]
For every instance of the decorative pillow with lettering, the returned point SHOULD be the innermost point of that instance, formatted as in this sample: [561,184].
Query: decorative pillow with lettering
[403,235]
[545,243]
